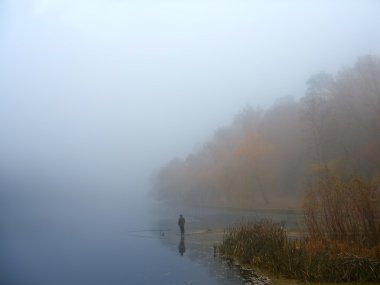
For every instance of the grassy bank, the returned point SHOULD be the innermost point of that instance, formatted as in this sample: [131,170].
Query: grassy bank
[265,245]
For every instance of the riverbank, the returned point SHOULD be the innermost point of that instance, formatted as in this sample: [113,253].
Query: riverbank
[266,245]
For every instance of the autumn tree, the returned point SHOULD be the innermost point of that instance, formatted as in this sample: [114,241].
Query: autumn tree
[263,157]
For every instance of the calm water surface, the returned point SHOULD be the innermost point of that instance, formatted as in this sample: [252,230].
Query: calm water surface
[110,240]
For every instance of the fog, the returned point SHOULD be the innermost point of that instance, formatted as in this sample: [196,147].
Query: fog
[95,96]
[113,89]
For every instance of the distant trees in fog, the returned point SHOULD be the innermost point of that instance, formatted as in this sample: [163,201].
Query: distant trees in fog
[266,157]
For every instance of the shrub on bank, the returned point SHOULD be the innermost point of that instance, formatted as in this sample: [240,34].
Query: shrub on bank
[347,209]
[265,245]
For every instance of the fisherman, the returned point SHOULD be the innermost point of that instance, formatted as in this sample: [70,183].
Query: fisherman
[181,224]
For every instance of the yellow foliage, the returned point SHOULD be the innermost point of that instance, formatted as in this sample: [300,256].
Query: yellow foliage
[316,168]
[253,146]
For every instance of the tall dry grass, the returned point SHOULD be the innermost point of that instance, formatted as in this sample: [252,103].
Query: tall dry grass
[344,210]
[265,245]
[341,242]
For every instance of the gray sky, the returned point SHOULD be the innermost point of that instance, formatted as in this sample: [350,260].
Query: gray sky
[120,87]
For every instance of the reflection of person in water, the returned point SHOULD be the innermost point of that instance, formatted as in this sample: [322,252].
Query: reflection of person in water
[181,224]
[181,246]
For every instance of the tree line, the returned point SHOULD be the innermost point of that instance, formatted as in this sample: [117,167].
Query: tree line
[272,158]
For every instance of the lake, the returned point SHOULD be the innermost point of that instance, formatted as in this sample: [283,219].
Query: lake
[49,239]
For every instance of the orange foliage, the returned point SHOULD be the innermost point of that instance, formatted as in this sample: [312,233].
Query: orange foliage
[253,146]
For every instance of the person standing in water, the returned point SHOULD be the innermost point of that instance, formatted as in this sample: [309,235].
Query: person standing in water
[181,224]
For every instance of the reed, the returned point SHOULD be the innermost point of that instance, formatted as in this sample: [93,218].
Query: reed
[265,245]
[346,210]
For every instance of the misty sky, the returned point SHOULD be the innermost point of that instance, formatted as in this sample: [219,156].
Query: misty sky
[114,86]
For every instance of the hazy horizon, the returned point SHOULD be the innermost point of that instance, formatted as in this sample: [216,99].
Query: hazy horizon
[113,89]
[98,98]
